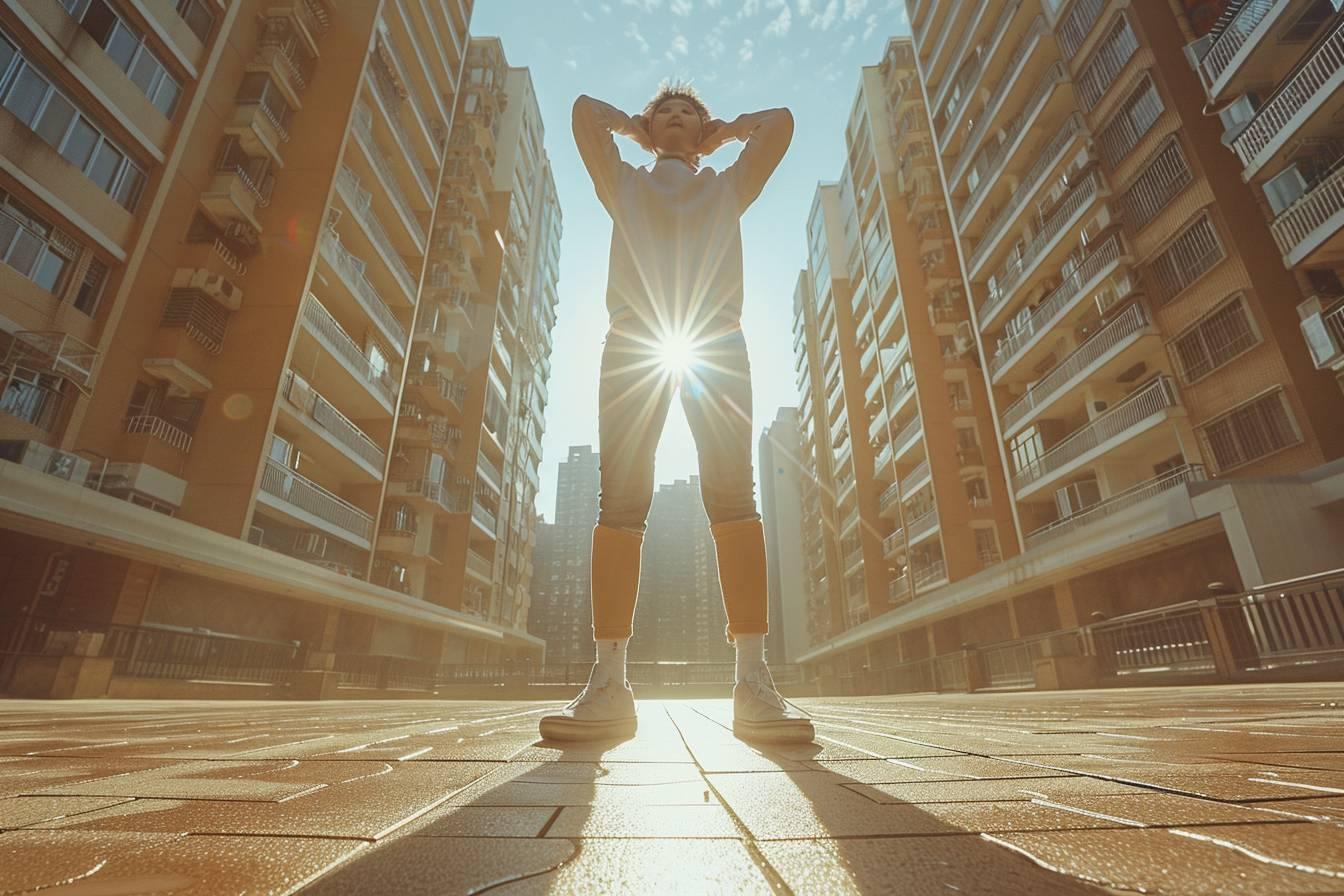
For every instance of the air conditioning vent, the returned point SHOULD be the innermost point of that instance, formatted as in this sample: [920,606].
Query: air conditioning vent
[1196,50]
[1236,115]
[1285,188]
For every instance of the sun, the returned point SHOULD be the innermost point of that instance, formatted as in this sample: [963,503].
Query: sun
[676,353]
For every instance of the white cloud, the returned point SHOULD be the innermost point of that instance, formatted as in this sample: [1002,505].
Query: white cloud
[571,63]
[680,7]
[854,8]
[804,8]
[678,48]
[632,32]
[749,8]
[847,44]
[744,52]
[871,26]
[714,44]
[826,18]
[713,4]
[645,5]
[779,25]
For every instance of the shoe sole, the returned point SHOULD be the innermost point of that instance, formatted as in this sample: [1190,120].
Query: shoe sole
[788,731]
[566,729]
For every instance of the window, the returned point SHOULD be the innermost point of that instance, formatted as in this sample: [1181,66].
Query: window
[197,15]
[1214,340]
[91,287]
[126,47]
[1140,111]
[51,115]
[32,397]
[33,247]
[1254,430]
[1159,183]
[1187,258]
[257,87]
[987,545]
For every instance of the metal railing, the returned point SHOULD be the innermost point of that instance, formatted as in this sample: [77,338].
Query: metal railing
[1014,270]
[991,109]
[1136,494]
[1313,209]
[328,417]
[930,573]
[1077,24]
[1233,38]
[483,515]
[925,522]
[483,463]
[918,472]
[888,497]
[360,201]
[159,428]
[301,492]
[969,81]
[908,432]
[1053,306]
[449,498]
[1326,341]
[1168,639]
[969,27]
[364,130]
[1296,92]
[387,97]
[203,319]
[1145,402]
[1012,664]
[1129,322]
[482,566]
[1106,63]
[340,343]
[351,269]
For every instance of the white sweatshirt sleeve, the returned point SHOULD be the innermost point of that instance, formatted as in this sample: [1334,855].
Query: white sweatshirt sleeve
[592,134]
[766,145]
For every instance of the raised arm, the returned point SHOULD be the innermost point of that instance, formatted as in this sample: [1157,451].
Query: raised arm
[767,134]
[594,122]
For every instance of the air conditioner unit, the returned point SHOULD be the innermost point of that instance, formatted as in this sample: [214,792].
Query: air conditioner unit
[45,459]
[1077,497]
[1285,188]
[1196,50]
[1236,115]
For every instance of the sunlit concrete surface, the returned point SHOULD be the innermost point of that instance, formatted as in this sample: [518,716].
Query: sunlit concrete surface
[1168,790]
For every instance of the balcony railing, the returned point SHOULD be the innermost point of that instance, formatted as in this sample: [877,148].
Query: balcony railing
[1312,210]
[491,471]
[1130,321]
[1233,38]
[360,201]
[893,542]
[351,270]
[1046,159]
[1013,271]
[930,573]
[299,491]
[448,498]
[908,432]
[990,112]
[1060,299]
[159,428]
[1292,96]
[326,415]
[364,130]
[925,522]
[320,319]
[888,497]
[971,78]
[483,515]
[970,25]
[1077,24]
[55,352]
[917,474]
[1143,403]
[391,102]
[482,566]
[1325,336]
[1116,503]
[898,590]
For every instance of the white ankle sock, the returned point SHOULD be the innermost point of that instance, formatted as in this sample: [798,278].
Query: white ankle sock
[611,659]
[750,656]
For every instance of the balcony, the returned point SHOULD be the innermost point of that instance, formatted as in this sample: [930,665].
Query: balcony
[438,390]
[488,472]
[1083,281]
[323,419]
[304,500]
[922,526]
[970,79]
[930,574]
[480,566]
[360,201]
[259,130]
[389,102]
[158,428]
[970,25]
[201,317]
[433,495]
[364,133]
[1014,272]
[887,500]
[1115,504]
[483,517]
[1014,72]
[234,197]
[1308,231]
[1236,43]
[898,590]
[350,269]
[916,478]
[1083,364]
[1324,333]
[54,352]
[1073,30]
[446,341]
[1316,84]
[377,381]
[883,461]
[1139,411]
[909,436]
[894,543]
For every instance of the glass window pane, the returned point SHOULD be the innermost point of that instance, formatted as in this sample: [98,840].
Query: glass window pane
[165,100]
[55,119]
[50,270]
[25,96]
[79,145]
[128,191]
[121,46]
[8,229]
[144,70]
[23,254]
[7,54]
[106,161]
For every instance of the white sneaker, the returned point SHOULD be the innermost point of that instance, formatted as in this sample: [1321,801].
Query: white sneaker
[604,710]
[760,714]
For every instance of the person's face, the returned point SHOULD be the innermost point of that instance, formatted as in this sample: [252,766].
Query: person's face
[675,126]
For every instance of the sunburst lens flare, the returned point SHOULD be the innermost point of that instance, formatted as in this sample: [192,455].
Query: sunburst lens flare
[676,354]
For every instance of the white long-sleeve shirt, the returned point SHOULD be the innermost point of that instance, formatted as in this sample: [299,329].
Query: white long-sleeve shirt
[676,241]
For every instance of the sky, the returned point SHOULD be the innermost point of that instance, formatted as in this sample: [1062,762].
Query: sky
[742,56]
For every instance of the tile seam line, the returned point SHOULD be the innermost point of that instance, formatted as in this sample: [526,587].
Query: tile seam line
[773,878]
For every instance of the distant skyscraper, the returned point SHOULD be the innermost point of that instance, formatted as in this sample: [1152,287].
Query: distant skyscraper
[679,615]
[561,613]
[780,474]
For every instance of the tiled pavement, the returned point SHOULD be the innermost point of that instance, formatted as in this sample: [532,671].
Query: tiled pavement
[1208,790]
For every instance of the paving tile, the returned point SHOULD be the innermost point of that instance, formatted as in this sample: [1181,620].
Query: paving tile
[993,790]
[424,866]
[21,811]
[265,781]
[818,805]
[952,768]
[32,774]
[1262,784]
[33,859]
[1318,848]
[913,866]
[523,793]
[612,773]
[665,867]
[715,748]
[644,821]
[1155,860]
[209,865]
[1290,759]
[483,821]
[1329,808]
[368,807]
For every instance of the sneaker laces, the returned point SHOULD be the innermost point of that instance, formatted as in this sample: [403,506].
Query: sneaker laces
[763,688]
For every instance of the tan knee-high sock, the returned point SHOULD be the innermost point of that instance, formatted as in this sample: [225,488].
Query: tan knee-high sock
[739,546]
[615,581]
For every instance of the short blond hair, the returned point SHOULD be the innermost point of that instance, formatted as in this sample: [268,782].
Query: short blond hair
[680,90]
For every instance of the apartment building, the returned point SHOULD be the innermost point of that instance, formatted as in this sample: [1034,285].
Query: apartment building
[679,615]
[1124,320]
[1271,72]
[209,321]
[561,613]
[457,526]
[780,470]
